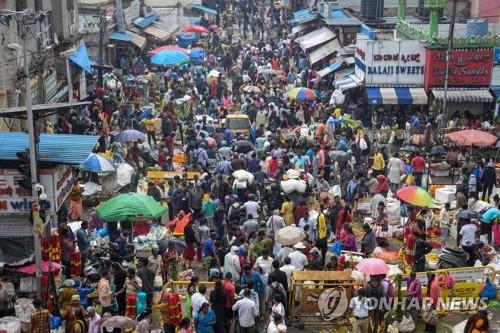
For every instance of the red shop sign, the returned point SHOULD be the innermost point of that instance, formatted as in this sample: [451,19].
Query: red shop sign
[468,67]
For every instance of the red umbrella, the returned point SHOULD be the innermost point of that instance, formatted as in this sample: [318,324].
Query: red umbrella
[168,48]
[196,29]
[472,138]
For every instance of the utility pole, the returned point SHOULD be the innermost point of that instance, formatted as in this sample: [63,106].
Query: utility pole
[102,22]
[32,153]
[449,52]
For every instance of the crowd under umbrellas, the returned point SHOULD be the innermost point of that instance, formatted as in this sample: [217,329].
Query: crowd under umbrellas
[242,209]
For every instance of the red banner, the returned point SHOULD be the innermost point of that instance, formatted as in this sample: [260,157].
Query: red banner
[468,68]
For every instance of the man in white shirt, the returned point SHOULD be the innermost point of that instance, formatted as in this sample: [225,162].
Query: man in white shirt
[288,268]
[297,257]
[198,298]
[247,312]
[252,207]
[264,261]
[468,233]
[307,220]
[444,223]
[360,306]
[283,253]
[275,222]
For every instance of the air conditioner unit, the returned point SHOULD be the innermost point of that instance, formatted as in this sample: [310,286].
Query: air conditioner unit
[147,11]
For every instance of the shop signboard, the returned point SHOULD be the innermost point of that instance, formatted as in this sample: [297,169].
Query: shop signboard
[16,199]
[468,68]
[495,72]
[360,57]
[391,62]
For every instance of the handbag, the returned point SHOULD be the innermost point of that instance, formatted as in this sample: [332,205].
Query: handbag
[430,317]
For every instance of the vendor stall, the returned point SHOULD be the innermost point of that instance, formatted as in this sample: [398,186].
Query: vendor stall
[323,294]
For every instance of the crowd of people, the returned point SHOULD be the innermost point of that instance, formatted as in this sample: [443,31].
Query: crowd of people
[230,237]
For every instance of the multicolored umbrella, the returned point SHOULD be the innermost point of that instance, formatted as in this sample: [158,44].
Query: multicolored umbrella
[196,29]
[472,138]
[170,58]
[302,94]
[168,48]
[416,196]
[130,207]
[373,266]
[97,163]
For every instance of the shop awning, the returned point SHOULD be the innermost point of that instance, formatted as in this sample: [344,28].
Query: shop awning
[323,51]
[315,37]
[464,95]
[349,82]
[120,36]
[303,16]
[299,28]
[394,96]
[137,40]
[81,58]
[147,21]
[329,69]
[204,9]
[157,33]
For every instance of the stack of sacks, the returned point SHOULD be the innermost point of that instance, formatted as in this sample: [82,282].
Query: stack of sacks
[242,176]
[293,183]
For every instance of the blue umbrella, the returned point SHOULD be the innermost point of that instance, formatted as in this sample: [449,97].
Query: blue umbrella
[97,163]
[169,58]
[130,135]
[147,111]
[491,214]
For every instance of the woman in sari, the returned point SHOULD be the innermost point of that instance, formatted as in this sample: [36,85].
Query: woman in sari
[170,263]
[76,201]
[204,319]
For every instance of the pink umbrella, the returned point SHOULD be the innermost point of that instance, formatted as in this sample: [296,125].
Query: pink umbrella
[31,269]
[196,29]
[117,322]
[472,138]
[372,266]
[168,48]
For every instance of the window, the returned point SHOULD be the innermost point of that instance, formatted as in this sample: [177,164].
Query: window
[21,5]
[70,4]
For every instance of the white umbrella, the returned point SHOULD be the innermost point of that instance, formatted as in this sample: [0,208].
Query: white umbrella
[290,235]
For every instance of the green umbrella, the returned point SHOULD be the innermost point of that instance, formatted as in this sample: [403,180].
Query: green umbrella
[130,207]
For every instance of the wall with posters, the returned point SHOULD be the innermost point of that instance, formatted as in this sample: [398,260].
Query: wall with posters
[57,183]
[468,68]
[495,72]
[391,62]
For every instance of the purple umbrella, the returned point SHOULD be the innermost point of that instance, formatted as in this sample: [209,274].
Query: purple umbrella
[130,135]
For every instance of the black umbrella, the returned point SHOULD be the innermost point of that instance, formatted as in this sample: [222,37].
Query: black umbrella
[242,146]
[410,148]
[468,215]
[180,244]
[338,155]
[438,150]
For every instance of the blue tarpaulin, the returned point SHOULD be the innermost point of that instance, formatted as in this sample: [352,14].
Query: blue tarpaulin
[204,9]
[368,31]
[81,58]
[336,65]
[121,36]
[146,22]
[337,14]
[302,14]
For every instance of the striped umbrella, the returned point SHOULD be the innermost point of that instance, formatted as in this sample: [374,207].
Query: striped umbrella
[302,94]
[416,196]
[97,163]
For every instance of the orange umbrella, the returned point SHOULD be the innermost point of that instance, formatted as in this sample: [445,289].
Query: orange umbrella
[179,227]
[472,138]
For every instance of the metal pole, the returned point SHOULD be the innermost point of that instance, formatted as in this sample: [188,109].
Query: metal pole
[448,56]
[32,151]
[70,84]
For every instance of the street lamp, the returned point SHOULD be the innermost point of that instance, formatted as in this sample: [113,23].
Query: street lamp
[67,54]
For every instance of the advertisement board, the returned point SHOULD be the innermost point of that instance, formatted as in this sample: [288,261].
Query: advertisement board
[16,199]
[468,68]
[360,58]
[495,72]
[391,62]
